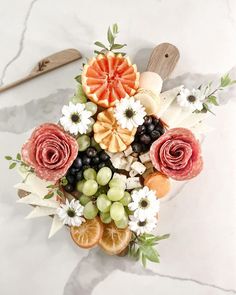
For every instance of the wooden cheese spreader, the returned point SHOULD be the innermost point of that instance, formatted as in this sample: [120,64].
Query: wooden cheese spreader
[163,60]
[46,65]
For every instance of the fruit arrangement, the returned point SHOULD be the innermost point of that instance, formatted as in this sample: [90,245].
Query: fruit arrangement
[119,144]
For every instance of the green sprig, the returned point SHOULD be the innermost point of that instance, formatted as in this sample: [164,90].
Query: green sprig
[17,161]
[112,33]
[54,190]
[143,248]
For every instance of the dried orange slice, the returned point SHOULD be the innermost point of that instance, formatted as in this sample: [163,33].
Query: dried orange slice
[109,134]
[114,240]
[88,233]
[109,77]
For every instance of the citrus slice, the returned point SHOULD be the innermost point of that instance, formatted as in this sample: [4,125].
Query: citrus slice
[114,240]
[109,77]
[88,233]
[109,134]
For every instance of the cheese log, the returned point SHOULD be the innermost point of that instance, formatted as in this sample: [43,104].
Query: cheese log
[151,81]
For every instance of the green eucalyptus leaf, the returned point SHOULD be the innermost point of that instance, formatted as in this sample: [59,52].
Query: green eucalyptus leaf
[49,195]
[12,165]
[78,79]
[144,260]
[150,253]
[8,158]
[110,36]
[122,53]
[99,44]
[60,193]
[115,29]
[225,80]
[118,46]
[18,156]
[213,100]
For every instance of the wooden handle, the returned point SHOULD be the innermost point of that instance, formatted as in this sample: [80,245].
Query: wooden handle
[47,64]
[163,60]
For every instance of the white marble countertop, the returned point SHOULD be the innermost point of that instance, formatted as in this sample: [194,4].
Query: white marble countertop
[200,256]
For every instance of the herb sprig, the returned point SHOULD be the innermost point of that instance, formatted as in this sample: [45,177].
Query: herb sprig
[142,247]
[17,161]
[54,190]
[112,34]
[210,95]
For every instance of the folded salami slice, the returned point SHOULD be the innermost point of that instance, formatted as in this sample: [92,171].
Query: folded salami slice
[177,154]
[50,151]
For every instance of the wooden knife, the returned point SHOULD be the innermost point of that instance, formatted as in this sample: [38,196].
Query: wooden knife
[47,64]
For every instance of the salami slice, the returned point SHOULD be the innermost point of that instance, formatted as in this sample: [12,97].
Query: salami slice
[50,151]
[177,154]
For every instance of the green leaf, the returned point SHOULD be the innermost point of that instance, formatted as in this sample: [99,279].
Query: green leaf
[49,195]
[225,80]
[99,44]
[78,79]
[52,186]
[115,29]
[12,165]
[63,181]
[122,53]
[159,238]
[118,46]
[110,36]
[8,158]
[213,100]
[18,157]
[60,193]
[206,107]
[144,260]
[150,253]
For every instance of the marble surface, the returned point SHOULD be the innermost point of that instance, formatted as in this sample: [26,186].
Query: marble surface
[200,257]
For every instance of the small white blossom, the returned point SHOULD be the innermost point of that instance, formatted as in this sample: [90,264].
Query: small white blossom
[129,113]
[141,227]
[71,213]
[75,119]
[191,100]
[144,203]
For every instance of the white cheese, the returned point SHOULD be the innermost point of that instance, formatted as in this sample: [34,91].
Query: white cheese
[133,182]
[167,98]
[133,173]
[128,151]
[138,167]
[144,158]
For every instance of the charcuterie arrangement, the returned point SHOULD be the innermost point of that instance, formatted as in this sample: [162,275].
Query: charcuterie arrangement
[116,149]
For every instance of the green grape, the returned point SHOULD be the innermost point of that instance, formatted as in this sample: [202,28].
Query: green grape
[83,142]
[91,107]
[122,223]
[95,144]
[90,126]
[128,211]
[126,199]
[90,187]
[115,194]
[90,173]
[117,211]
[117,182]
[80,185]
[104,175]
[105,217]
[101,190]
[103,203]
[78,99]
[84,200]
[90,210]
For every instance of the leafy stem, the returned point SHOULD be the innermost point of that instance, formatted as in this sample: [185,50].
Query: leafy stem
[112,34]
[13,162]
[142,247]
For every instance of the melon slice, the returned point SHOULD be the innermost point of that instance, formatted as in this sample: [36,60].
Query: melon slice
[108,78]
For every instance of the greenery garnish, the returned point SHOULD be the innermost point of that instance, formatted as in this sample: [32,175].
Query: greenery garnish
[54,190]
[112,33]
[210,95]
[142,247]
[13,162]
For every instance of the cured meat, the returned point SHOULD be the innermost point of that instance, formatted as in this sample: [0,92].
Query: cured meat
[177,154]
[50,151]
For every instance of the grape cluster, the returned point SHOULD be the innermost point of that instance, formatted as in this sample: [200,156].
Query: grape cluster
[147,133]
[90,158]
[104,196]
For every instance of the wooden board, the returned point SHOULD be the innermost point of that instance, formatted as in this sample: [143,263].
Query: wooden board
[163,59]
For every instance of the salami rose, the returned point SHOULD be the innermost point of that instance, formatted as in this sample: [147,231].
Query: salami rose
[50,151]
[177,154]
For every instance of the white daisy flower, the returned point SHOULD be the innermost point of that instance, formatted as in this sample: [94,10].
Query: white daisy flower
[75,119]
[144,203]
[71,213]
[191,100]
[129,113]
[141,227]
